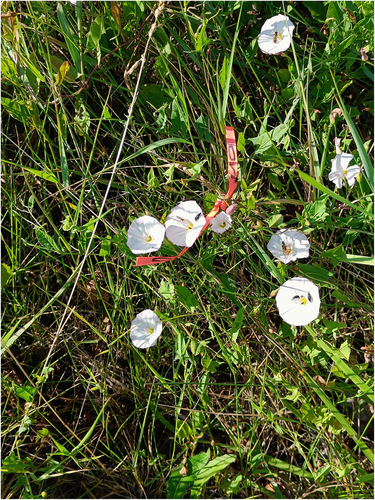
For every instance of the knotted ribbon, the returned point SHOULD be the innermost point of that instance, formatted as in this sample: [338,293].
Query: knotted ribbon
[219,204]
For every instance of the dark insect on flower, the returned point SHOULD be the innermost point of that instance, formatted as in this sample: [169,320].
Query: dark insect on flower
[275,36]
[309,297]
[197,217]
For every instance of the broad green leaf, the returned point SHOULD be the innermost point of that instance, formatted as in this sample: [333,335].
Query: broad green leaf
[44,175]
[334,12]
[336,254]
[157,95]
[47,242]
[359,259]
[201,39]
[178,119]
[82,120]
[213,467]
[105,248]
[25,392]
[224,72]
[71,74]
[177,483]
[183,429]
[318,274]
[69,37]
[237,324]
[209,364]
[196,169]
[96,31]
[366,478]
[62,72]
[287,467]
[344,298]
[20,110]
[152,180]
[116,14]
[166,289]
[186,297]
[13,464]
[6,273]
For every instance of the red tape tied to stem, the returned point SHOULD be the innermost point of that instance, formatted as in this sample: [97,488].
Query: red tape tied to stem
[220,204]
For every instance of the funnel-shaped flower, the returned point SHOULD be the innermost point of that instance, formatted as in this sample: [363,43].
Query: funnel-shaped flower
[340,170]
[221,223]
[184,223]
[145,329]
[276,34]
[288,245]
[298,301]
[145,234]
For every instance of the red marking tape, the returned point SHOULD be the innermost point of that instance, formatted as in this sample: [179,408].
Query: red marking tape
[220,203]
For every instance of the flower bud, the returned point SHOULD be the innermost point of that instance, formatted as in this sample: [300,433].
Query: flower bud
[364,56]
[231,209]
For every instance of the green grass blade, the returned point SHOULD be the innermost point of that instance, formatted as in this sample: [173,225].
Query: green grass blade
[74,52]
[366,162]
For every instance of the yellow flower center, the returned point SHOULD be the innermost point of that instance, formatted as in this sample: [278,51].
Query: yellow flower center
[287,249]
[345,172]
[300,300]
[148,239]
[151,331]
[186,223]
[223,224]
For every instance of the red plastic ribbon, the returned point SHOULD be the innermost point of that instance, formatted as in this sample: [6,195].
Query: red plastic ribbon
[220,204]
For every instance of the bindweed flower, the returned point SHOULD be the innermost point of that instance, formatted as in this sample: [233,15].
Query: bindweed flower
[298,301]
[276,34]
[145,329]
[145,234]
[221,223]
[288,245]
[340,170]
[364,56]
[184,223]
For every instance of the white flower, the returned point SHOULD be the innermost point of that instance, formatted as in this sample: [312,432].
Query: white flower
[221,223]
[276,34]
[298,301]
[288,245]
[185,223]
[145,329]
[340,170]
[145,234]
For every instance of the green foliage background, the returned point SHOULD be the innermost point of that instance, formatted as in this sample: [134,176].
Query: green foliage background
[232,402]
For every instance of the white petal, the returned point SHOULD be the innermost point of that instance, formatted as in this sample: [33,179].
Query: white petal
[295,241]
[336,177]
[140,329]
[185,223]
[140,230]
[283,26]
[222,219]
[341,162]
[292,312]
[351,174]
